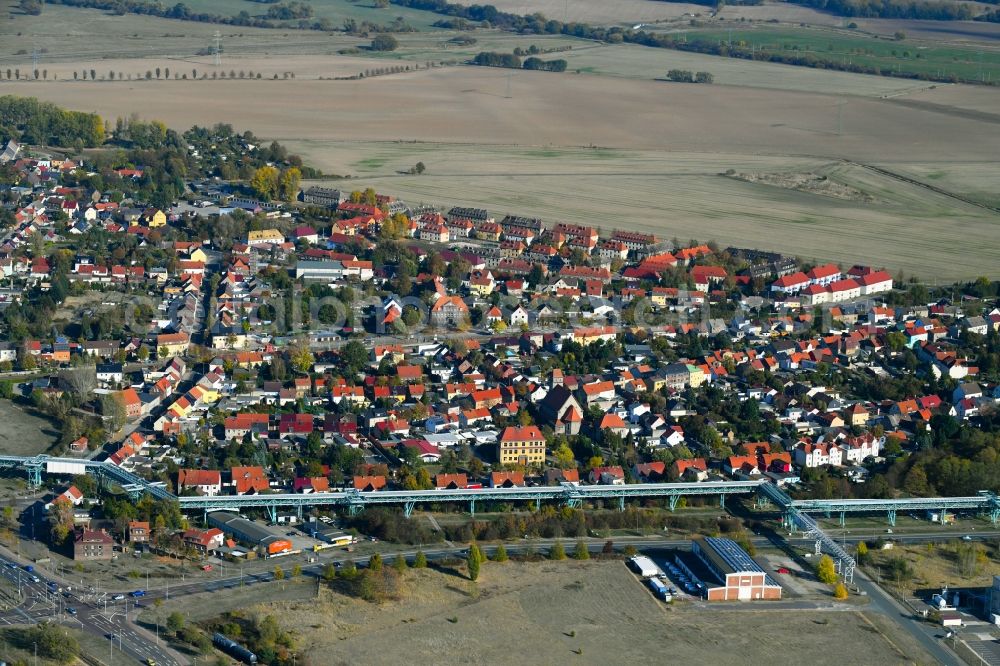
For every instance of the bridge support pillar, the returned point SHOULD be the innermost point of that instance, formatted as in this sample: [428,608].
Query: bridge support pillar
[994,514]
[892,517]
[272,510]
[354,509]
[538,504]
[298,511]
[843,518]
[848,572]
[674,499]
[722,501]
[408,509]
[819,547]
[472,507]
[34,476]
[621,503]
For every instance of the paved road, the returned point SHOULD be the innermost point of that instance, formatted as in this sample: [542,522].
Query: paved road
[924,633]
[43,601]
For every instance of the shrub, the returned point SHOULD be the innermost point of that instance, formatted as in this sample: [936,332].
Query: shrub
[473,563]
[399,564]
[384,43]
[825,571]
[557,552]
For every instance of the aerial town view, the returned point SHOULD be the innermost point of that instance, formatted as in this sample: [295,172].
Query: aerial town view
[542,331]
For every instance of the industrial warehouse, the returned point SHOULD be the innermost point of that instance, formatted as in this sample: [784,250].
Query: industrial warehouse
[732,574]
[266,542]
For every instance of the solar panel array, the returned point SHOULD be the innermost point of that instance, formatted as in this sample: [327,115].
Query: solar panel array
[733,555]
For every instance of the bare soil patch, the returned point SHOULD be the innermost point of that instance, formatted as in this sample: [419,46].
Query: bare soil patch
[24,434]
[806,182]
[587,612]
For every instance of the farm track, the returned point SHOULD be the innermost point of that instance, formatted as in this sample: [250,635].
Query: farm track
[948,110]
[926,186]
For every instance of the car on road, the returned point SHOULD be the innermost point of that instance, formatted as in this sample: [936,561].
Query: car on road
[29,568]
[36,579]
[71,610]
[967,538]
[118,597]
[150,662]
[207,567]
[782,570]
[138,593]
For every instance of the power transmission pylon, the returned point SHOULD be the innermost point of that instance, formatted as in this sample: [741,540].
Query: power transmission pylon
[217,49]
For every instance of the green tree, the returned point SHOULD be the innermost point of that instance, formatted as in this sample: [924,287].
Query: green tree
[375,563]
[420,560]
[384,42]
[296,571]
[399,564]
[557,551]
[477,552]
[302,359]
[175,622]
[113,410]
[862,551]
[289,186]
[581,552]
[825,571]
[472,561]
[264,182]
[500,555]
[279,573]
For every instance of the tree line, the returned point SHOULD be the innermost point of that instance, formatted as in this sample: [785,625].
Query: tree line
[29,120]
[513,61]
[686,76]
[934,10]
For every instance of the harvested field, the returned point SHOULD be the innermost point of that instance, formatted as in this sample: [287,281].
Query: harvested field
[954,31]
[590,613]
[469,104]
[24,434]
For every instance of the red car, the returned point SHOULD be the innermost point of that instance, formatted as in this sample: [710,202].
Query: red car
[783,570]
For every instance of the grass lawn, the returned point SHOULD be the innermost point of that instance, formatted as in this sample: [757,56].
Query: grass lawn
[905,56]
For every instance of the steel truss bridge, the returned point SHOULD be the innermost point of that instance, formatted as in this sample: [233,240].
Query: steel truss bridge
[795,513]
